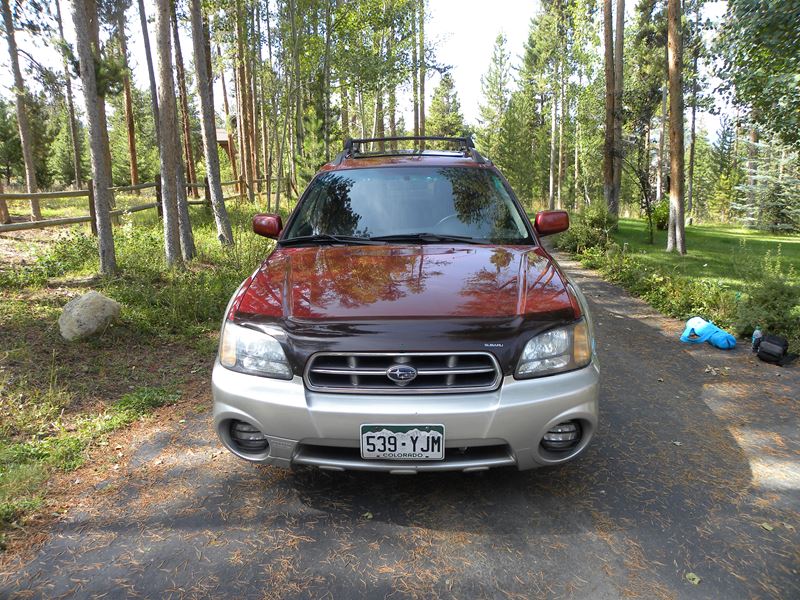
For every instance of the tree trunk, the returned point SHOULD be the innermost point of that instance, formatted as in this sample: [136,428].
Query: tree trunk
[240,130]
[21,98]
[94,33]
[254,129]
[297,79]
[101,182]
[551,198]
[752,169]
[208,126]
[414,69]
[73,124]
[390,39]
[380,128]
[252,82]
[577,154]
[561,157]
[695,82]
[150,71]
[281,152]
[676,236]
[692,136]
[608,145]
[392,116]
[343,96]
[618,91]
[422,68]
[228,130]
[184,100]
[188,250]
[326,133]
[243,123]
[262,113]
[662,135]
[169,138]
[272,145]
[126,86]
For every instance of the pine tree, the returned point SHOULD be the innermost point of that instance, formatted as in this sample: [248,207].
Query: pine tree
[444,115]
[494,87]
[773,185]
[514,155]
[61,150]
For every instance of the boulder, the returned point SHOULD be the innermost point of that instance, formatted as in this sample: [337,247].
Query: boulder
[87,315]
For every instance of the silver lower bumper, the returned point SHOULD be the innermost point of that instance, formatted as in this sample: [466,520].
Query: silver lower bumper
[500,428]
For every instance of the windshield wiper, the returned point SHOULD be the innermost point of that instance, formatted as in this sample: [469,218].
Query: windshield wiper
[430,238]
[326,238]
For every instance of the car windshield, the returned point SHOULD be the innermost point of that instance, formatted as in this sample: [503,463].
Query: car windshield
[437,203]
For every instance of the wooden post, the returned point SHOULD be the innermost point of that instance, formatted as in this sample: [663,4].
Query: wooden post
[159,198]
[92,212]
[207,192]
[5,216]
[241,188]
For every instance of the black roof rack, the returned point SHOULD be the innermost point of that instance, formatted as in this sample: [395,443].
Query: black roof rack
[352,146]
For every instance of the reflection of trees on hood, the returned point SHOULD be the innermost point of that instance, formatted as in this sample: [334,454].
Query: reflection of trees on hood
[334,213]
[475,198]
[362,278]
[501,258]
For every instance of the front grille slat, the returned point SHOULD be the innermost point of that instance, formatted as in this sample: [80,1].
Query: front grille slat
[436,372]
[349,371]
[455,371]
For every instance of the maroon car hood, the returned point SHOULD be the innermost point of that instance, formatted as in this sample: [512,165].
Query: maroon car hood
[417,281]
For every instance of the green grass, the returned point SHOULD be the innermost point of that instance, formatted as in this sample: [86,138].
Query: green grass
[738,278]
[729,254]
[56,208]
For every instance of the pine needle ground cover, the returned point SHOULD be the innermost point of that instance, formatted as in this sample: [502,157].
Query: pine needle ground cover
[60,402]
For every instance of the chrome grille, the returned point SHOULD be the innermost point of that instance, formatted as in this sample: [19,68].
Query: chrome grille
[436,372]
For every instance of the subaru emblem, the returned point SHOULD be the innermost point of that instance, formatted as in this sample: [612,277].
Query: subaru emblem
[401,374]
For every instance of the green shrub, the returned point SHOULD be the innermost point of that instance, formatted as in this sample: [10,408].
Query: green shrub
[156,300]
[669,293]
[588,229]
[661,215]
[772,303]
[74,252]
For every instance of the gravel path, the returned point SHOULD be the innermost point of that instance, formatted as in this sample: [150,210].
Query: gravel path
[695,470]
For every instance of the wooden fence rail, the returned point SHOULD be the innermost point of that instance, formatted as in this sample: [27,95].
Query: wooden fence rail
[89,194]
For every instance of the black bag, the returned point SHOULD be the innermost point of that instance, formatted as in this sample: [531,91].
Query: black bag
[774,349]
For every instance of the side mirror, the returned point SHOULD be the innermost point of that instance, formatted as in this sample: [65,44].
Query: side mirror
[548,222]
[267,225]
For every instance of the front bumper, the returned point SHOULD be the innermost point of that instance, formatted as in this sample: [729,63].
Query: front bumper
[483,430]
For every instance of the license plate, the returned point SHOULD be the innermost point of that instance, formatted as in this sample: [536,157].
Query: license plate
[402,442]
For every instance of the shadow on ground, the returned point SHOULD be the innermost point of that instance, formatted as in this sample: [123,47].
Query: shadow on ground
[687,467]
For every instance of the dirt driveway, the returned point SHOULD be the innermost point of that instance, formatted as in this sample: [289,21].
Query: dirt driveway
[695,471]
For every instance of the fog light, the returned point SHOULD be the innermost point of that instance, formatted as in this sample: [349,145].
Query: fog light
[562,437]
[248,438]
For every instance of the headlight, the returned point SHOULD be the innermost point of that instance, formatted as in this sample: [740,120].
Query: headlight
[250,351]
[557,350]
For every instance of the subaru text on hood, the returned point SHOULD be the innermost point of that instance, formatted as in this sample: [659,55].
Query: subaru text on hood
[407,320]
